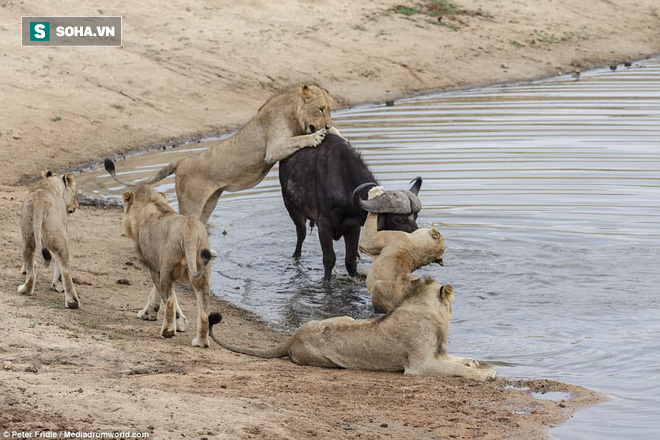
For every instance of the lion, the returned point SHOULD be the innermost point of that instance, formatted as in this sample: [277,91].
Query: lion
[44,220]
[175,249]
[412,338]
[396,255]
[296,118]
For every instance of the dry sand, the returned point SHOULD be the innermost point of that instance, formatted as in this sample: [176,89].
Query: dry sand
[189,69]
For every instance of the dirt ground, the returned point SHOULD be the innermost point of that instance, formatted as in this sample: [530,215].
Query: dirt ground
[190,69]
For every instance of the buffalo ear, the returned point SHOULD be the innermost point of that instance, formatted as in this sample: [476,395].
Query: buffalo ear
[68,179]
[127,198]
[435,233]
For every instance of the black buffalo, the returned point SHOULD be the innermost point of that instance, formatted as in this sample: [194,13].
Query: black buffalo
[317,185]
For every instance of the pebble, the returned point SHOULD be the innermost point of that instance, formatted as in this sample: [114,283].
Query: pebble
[8,365]
[16,136]
[32,369]
[123,281]
[384,425]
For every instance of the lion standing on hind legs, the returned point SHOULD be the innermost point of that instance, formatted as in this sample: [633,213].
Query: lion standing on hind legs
[44,220]
[296,118]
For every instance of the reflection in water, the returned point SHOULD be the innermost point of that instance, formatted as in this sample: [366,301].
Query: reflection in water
[548,196]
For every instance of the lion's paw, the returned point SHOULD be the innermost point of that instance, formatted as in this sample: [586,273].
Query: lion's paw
[57,286]
[148,314]
[317,138]
[181,322]
[472,363]
[24,289]
[487,374]
[167,334]
[203,344]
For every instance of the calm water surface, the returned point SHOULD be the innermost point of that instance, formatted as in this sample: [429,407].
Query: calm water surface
[548,196]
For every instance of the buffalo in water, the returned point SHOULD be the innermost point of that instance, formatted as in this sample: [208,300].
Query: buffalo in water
[318,184]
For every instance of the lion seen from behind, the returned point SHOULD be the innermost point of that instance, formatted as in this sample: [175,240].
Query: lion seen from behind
[44,228]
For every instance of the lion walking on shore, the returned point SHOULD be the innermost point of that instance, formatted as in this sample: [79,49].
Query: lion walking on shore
[44,227]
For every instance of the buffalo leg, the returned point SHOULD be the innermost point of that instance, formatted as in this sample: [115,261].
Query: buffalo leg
[301,231]
[329,257]
[351,239]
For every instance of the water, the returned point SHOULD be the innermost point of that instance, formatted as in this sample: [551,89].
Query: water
[548,196]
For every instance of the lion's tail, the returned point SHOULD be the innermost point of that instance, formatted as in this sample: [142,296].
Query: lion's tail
[191,248]
[160,175]
[278,352]
[38,216]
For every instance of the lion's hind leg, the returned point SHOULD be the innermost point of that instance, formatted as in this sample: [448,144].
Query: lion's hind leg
[29,265]
[202,292]
[385,295]
[71,300]
[168,329]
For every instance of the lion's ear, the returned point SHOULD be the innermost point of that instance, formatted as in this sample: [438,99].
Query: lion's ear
[127,198]
[435,233]
[46,173]
[306,92]
[447,291]
[68,179]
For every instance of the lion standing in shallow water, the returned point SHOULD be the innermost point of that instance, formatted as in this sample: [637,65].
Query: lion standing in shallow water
[412,338]
[297,118]
[44,220]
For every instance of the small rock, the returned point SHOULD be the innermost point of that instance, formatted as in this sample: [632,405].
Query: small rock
[123,281]
[151,427]
[562,405]
[384,425]
[16,136]
[8,365]
[32,369]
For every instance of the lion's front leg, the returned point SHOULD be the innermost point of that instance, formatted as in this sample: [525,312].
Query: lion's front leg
[280,149]
[150,310]
[469,362]
[441,367]
[57,284]
[181,320]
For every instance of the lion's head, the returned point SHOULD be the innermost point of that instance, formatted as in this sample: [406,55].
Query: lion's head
[313,109]
[142,200]
[428,246]
[427,294]
[66,184]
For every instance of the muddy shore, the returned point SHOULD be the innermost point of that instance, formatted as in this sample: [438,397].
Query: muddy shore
[189,70]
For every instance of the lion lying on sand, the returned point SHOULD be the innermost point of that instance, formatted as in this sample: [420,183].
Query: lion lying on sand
[44,222]
[396,255]
[412,339]
[297,118]
[175,249]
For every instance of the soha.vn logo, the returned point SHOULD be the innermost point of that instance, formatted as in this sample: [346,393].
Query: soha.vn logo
[39,31]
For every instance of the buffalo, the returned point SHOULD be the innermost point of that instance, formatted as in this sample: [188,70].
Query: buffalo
[318,184]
